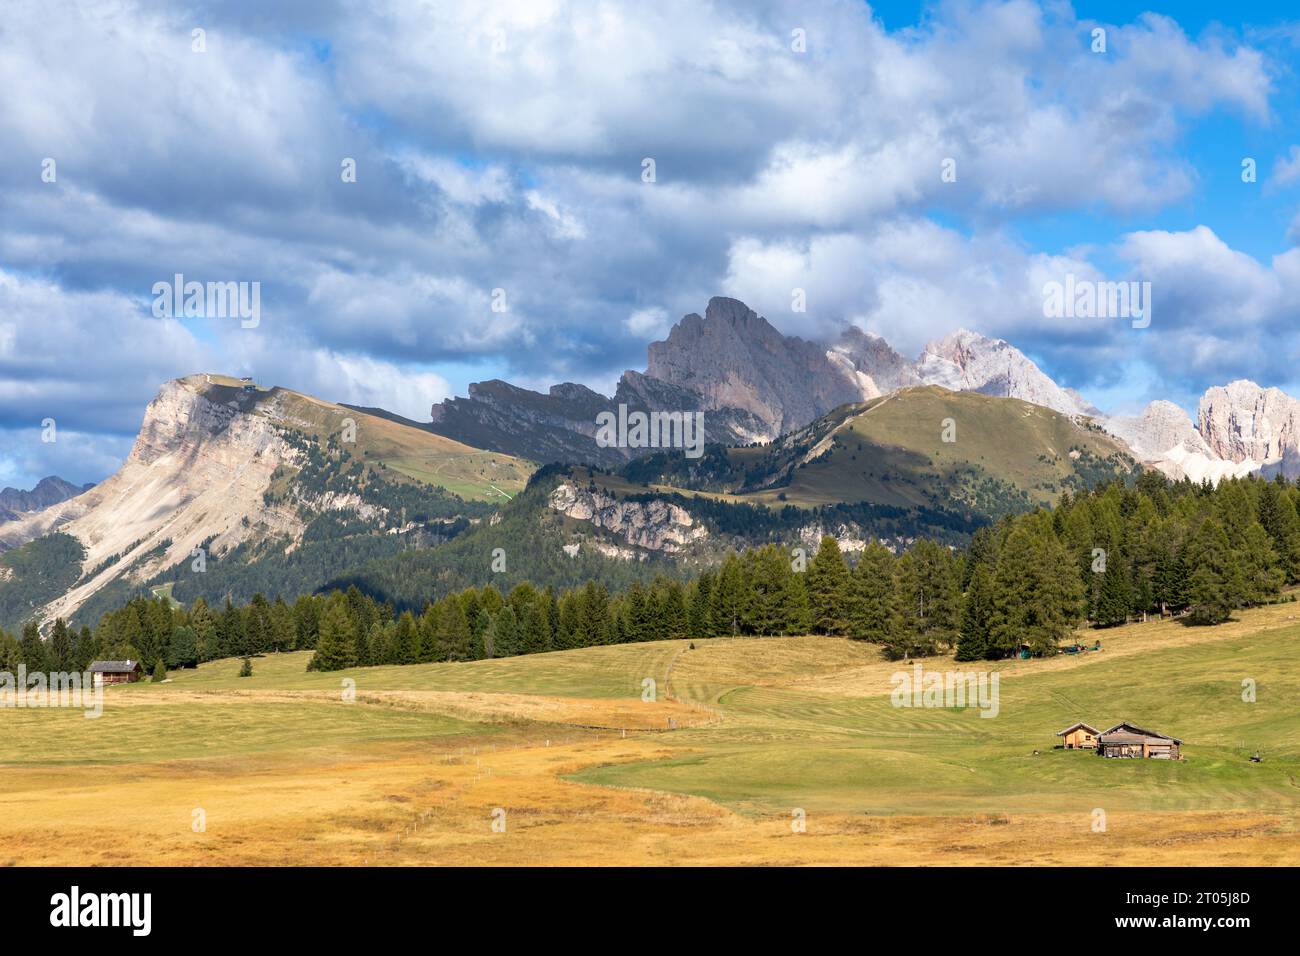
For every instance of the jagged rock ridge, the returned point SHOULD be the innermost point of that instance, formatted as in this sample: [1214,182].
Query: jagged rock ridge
[754,382]
[15,502]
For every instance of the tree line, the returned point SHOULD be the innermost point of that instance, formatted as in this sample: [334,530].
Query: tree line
[1103,557]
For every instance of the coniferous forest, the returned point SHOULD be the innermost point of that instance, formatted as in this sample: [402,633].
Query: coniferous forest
[1022,586]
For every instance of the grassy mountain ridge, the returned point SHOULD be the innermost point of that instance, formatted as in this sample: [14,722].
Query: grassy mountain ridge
[1004,456]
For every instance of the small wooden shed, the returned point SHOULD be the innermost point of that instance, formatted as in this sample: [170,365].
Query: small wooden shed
[1129,740]
[1079,736]
[115,672]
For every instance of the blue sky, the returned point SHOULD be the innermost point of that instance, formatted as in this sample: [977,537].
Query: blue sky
[500,145]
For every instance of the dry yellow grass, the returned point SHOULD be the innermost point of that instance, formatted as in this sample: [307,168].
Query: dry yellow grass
[412,805]
[618,714]
[367,786]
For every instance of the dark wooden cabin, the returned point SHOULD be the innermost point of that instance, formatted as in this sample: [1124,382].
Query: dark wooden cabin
[116,672]
[1129,740]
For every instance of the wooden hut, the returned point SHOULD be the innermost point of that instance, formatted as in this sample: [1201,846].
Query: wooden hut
[1129,740]
[1079,736]
[115,672]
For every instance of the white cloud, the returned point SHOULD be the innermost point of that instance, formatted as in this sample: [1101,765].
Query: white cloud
[1217,313]
[564,225]
[90,360]
[1287,168]
[358,380]
[499,145]
[650,323]
[78,457]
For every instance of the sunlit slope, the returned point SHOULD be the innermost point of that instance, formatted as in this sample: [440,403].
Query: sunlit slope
[836,742]
[406,448]
[931,446]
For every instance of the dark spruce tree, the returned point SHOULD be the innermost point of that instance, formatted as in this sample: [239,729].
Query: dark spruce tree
[828,588]
[977,616]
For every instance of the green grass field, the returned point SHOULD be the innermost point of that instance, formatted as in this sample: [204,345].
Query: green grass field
[403,447]
[780,742]
[597,672]
[782,723]
[784,747]
[188,730]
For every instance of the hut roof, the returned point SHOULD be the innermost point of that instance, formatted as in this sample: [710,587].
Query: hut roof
[1126,732]
[113,667]
[1073,727]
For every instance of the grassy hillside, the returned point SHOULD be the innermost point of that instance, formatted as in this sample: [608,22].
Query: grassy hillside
[1005,455]
[408,449]
[594,672]
[411,771]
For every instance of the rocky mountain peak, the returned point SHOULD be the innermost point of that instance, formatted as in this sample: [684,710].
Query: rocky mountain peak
[735,359]
[737,315]
[48,491]
[1243,421]
[1161,428]
[871,363]
[757,383]
[573,392]
[968,361]
[961,346]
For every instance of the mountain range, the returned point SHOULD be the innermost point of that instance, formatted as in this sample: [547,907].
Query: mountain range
[282,492]
[755,384]
[15,502]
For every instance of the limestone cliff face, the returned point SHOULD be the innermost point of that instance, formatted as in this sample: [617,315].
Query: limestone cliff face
[196,474]
[1164,437]
[652,525]
[664,527]
[966,361]
[1241,429]
[1161,427]
[1241,421]
[871,364]
[735,359]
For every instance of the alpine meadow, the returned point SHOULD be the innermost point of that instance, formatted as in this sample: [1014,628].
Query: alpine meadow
[440,439]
